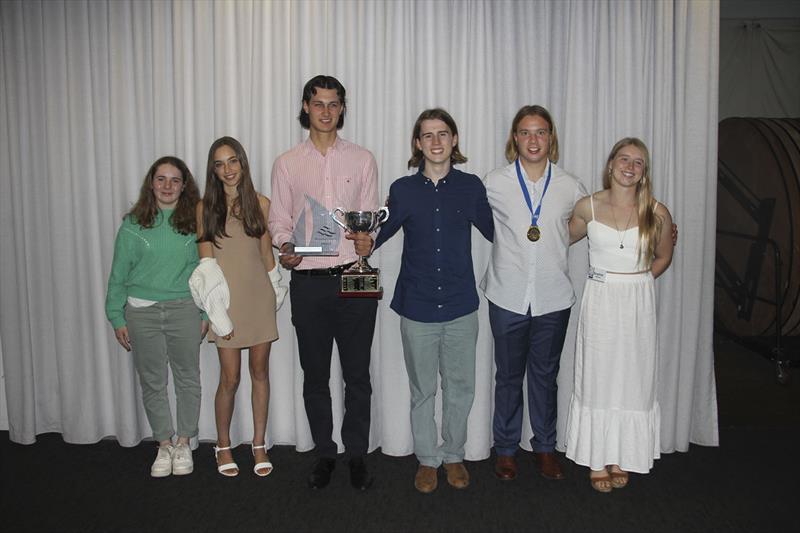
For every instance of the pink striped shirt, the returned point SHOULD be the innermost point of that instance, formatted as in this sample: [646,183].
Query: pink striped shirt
[307,185]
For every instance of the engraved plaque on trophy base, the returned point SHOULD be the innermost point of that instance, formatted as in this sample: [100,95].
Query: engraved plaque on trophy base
[361,285]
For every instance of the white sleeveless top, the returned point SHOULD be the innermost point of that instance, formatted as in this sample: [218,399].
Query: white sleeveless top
[605,251]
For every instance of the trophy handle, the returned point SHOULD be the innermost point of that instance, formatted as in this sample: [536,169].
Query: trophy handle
[382,216]
[336,211]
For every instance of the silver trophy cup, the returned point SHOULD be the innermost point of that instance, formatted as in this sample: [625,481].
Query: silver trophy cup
[360,280]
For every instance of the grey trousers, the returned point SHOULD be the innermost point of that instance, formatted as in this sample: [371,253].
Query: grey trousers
[167,334]
[430,349]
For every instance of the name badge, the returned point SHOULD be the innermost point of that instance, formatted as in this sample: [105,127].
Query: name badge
[597,274]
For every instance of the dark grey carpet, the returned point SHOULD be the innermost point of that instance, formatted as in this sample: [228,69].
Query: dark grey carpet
[748,484]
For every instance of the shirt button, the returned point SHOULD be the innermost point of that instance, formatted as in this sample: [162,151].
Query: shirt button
[439,288]
[438,249]
[438,269]
[437,229]
[437,209]
[440,306]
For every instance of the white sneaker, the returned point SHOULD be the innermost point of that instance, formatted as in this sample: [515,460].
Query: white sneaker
[162,466]
[182,463]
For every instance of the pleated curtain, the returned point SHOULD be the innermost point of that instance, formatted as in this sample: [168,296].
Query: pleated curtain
[92,92]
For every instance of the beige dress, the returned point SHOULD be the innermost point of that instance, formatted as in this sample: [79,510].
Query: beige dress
[252,308]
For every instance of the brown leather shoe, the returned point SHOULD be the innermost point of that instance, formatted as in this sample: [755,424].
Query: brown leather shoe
[426,479]
[506,467]
[457,475]
[548,464]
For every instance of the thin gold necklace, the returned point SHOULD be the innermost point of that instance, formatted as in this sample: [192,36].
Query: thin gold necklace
[621,234]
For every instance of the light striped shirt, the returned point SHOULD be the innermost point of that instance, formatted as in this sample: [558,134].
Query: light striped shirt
[307,186]
[522,274]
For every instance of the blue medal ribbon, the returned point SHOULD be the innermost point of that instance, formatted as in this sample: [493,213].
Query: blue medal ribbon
[533,232]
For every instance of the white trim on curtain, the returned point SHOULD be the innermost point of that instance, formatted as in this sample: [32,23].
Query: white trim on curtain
[92,92]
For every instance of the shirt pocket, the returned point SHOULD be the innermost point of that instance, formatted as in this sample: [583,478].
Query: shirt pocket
[347,194]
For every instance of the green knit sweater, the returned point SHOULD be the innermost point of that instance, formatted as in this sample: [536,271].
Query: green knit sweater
[149,263]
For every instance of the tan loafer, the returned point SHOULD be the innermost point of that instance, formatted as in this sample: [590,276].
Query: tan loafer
[457,475]
[426,479]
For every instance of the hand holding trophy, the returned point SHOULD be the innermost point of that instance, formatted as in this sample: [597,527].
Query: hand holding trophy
[361,280]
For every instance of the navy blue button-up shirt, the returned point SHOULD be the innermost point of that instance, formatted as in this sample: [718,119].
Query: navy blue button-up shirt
[436,281]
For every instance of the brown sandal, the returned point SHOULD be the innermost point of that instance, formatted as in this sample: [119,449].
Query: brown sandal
[602,484]
[619,479]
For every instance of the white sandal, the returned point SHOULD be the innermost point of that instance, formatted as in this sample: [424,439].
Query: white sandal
[261,466]
[228,469]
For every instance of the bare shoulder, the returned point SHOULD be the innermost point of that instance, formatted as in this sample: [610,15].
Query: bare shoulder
[582,210]
[582,205]
[663,213]
[600,199]
[601,196]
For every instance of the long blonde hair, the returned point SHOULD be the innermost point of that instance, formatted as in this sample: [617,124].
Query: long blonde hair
[649,223]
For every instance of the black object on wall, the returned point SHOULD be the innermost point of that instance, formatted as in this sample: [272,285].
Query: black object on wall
[757,279]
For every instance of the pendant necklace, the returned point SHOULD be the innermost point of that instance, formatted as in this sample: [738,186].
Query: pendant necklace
[621,234]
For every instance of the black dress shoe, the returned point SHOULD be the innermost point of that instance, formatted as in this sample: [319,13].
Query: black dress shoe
[359,477]
[321,475]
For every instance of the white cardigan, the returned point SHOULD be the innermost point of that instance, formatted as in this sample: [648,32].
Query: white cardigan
[211,294]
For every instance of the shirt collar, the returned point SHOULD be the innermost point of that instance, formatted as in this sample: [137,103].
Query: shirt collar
[309,146]
[423,178]
[513,168]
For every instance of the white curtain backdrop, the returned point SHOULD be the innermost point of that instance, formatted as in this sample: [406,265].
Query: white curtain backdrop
[93,91]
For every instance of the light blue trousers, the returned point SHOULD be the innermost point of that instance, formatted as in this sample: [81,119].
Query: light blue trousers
[167,334]
[430,349]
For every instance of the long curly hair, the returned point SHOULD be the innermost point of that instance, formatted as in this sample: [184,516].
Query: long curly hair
[649,222]
[183,218]
[245,207]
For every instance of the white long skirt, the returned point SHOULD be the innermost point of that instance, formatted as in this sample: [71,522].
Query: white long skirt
[614,417]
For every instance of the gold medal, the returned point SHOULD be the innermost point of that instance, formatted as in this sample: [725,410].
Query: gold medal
[534,233]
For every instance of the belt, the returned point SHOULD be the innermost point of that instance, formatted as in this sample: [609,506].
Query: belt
[325,272]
